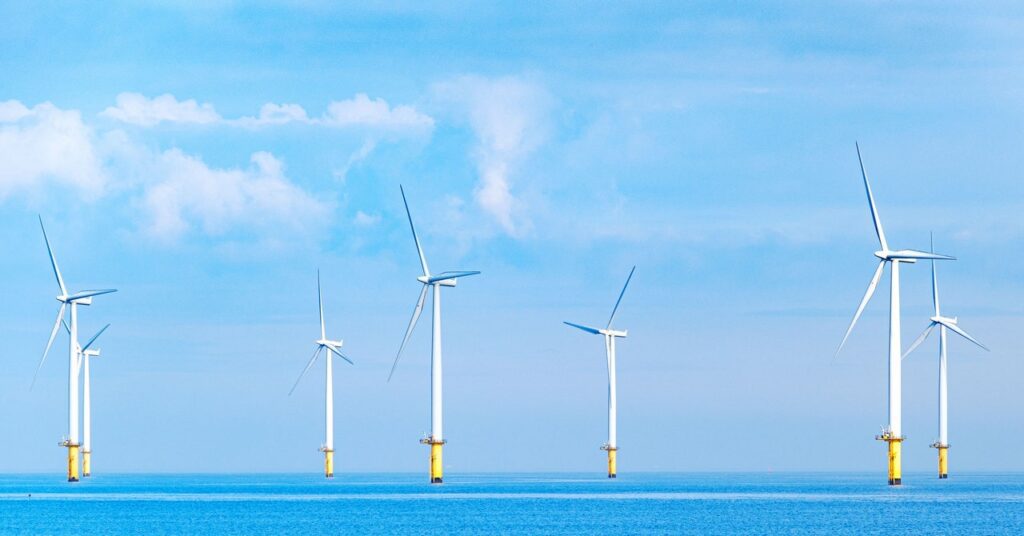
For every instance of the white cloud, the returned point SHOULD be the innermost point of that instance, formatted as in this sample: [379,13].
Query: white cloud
[362,111]
[363,219]
[509,117]
[189,193]
[358,112]
[276,114]
[136,109]
[46,143]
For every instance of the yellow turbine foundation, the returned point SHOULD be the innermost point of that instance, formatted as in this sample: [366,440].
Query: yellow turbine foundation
[943,460]
[328,463]
[72,462]
[612,468]
[86,463]
[436,465]
[895,462]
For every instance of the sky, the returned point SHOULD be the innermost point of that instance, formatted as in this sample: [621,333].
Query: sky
[207,161]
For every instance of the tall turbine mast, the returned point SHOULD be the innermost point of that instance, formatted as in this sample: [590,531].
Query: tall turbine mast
[68,301]
[893,432]
[944,323]
[612,446]
[433,282]
[332,347]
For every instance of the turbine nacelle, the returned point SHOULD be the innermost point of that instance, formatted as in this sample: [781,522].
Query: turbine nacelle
[614,333]
[328,342]
[426,280]
[91,353]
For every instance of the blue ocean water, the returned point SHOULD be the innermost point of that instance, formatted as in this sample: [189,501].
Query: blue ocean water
[698,503]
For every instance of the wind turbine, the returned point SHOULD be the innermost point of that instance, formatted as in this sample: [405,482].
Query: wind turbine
[84,353]
[944,323]
[892,433]
[435,282]
[68,301]
[332,347]
[610,335]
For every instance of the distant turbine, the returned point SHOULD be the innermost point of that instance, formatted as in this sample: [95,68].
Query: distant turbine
[892,434]
[610,335]
[84,354]
[74,362]
[333,347]
[443,279]
[944,323]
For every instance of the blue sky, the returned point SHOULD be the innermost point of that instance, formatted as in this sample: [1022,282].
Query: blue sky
[207,162]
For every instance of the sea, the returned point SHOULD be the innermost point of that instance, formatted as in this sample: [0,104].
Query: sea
[644,503]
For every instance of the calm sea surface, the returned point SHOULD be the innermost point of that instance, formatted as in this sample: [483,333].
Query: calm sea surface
[496,503]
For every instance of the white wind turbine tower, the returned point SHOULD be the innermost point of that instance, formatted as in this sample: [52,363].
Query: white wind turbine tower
[68,301]
[332,347]
[892,433]
[435,282]
[84,353]
[609,346]
[944,323]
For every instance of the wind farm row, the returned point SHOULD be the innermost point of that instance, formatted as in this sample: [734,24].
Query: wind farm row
[79,445]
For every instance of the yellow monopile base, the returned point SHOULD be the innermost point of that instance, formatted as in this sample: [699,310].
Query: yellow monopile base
[943,462]
[895,462]
[436,470]
[86,463]
[72,462]
[329,463]
[612,469]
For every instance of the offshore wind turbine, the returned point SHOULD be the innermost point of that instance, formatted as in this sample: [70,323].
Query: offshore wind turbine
[435,282]
[332,347]
[84,353]
[943,323]
[68,301]
[610,335]
[893,432]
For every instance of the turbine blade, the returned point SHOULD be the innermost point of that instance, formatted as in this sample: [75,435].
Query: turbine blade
[53,260]
[412,325]
[339,354]
[67,328]
[956,329]
[449,275]
[919,255]
[320,300]
[316,354]
[94,337]
[924,335]
[419,249]
[49,343]
[863,302]
[871,201]
[618,301]
[90,293]
[588,329]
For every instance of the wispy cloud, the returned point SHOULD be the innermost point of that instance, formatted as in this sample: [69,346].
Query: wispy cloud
[509,117]
[45,143]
